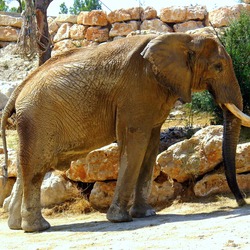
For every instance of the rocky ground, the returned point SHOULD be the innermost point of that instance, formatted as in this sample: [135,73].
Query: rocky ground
[197,225]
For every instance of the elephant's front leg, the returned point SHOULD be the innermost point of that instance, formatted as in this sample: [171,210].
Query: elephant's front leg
[140,207]
[133,144]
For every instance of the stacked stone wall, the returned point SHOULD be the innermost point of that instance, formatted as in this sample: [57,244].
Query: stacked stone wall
[94,27]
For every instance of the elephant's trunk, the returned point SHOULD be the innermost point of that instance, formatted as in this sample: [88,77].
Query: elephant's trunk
[232,127]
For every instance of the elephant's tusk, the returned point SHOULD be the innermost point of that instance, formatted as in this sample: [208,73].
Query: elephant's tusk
[245,119]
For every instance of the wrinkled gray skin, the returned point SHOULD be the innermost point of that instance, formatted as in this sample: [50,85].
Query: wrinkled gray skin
[123,90]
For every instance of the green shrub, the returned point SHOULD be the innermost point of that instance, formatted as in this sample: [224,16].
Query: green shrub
[236,40]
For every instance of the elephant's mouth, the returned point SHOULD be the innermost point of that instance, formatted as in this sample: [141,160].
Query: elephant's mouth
[245,119]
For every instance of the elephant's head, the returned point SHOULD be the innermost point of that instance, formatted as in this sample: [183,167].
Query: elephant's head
[184,63]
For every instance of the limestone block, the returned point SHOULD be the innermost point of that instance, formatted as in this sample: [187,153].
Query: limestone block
[189,25]
[196,12]
[173,14]
[243,158]
[66,18]
[6,20]
[196,156]
[56,189]
[93,18]
[155,24]
[8,34]
[53,27]
[97,34]
[217,184]
[65,45]
[122,15]
[123,29]
[223,16]
[12,163]
[77,31]
[149,13]
[99,165]
[5,190]
[206,31]
[181,14]
[63,32]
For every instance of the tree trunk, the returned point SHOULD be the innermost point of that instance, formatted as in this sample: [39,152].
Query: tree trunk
[44,42]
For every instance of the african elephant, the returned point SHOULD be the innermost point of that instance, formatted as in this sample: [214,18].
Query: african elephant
[124,90]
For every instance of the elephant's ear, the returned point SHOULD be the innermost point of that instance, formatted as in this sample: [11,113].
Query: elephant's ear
[170,57]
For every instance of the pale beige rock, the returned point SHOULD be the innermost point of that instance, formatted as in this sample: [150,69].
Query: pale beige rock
[63,32]
[196,12]
[77,31]
[173,14]
[217,184]
[97,34]
[12,164]
[93,18]
[99,165]
[155,24]
[223,16]
[243,158]
[189,25]
[246,1]
[196,156]
[181,14]
[67,44]
[6,20]
[8,34]
[53,27]
[56,189]
[5,191]
[102,194]
[149,13]
[122,15]
[66,18]
[123,29]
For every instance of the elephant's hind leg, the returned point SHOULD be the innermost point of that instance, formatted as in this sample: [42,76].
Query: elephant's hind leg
[141,208]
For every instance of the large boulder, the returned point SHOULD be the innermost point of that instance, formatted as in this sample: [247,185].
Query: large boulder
[93,18]
[123,29]
[63,32]
[6,20]
[155,24]
[193,157]
[223,16]
[122,15]
[189,25]
[98,34]
[99,165]
[66,18]
[179,14]
[8,34]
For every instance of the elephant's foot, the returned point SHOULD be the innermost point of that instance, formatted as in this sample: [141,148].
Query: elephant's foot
[39,224]
[116,214]
[142,210]
[14,222]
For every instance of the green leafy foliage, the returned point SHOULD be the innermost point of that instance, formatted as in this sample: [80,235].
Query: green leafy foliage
[3,6]
[63,9]
[237,43]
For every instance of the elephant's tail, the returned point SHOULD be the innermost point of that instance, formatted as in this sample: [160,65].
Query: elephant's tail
[7,112]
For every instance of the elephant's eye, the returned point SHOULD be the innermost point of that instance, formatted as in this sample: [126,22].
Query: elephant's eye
[218,67]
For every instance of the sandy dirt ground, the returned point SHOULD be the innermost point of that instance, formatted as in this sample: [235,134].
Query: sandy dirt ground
[198,225]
